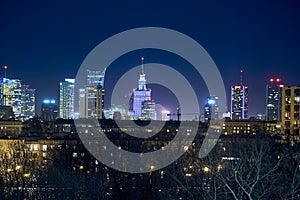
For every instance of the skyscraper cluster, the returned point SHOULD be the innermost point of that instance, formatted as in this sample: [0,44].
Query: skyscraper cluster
[20,97]
[90,100]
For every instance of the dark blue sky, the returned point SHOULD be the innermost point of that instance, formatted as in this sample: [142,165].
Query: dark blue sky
[43,42]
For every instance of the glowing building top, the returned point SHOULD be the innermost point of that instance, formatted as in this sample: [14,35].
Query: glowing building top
[239,100]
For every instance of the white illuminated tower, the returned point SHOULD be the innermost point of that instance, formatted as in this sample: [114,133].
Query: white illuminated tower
[239,101]
[140,95]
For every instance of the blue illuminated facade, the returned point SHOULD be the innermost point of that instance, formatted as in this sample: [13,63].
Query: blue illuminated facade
[211,109]
[139,95]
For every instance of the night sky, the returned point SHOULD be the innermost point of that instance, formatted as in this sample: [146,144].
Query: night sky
[43,42]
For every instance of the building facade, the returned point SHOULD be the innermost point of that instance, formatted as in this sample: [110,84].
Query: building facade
[91,102]
[95,78]
[11,92]
[27,102]
[66,99]
[291,114]
[20,97]
[239,102]
[91,98]
[211,109]
[274,99]
[250,127]
[148,110]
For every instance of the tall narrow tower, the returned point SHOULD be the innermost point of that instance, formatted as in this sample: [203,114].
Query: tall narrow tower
[239,100]
[142,79]
[273,99]
[66,98]
[139,95]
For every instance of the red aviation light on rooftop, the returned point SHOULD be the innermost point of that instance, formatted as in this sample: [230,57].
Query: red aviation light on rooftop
[271,79]
[5,67]
[278,80]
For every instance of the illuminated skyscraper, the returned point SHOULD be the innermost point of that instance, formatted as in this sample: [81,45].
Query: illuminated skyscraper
[95,78]
[239,101]
[211,109]
[91,98]
[11,94]
[91,102]
[139,95]
[273,99]
[66,98]
[27,102]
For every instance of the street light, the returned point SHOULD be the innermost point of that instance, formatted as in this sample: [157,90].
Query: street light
[206,169]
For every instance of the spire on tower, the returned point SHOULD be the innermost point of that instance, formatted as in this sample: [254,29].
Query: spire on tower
[142,80]
[142,59]
[241,76]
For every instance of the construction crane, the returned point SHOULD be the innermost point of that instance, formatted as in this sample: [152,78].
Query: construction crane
[178,114]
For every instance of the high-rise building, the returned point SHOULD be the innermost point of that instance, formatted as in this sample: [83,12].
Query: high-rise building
[102,78]
[91,102]
[91,98]
[95,78]
[139,95]
[20,97]
[274,99]
[239,101]
[66,98]
[148,110]
[291,114]
[27,102]
[211,109]
[49,110]
[11,94]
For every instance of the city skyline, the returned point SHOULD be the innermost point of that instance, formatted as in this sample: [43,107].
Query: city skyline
[149,99]
[260,37]
[269,90]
